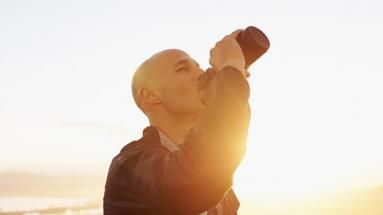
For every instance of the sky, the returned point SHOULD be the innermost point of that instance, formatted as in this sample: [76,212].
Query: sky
[317,120]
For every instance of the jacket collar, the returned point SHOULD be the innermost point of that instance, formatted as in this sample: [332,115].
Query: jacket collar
[150,135]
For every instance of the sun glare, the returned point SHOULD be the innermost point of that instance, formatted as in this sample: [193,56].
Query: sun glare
[273,175]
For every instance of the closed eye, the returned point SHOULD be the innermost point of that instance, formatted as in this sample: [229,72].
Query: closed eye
[182,69]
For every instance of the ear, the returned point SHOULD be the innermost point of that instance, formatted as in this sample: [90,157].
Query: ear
[149,96]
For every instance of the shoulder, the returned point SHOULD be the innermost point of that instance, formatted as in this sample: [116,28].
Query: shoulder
[147,147]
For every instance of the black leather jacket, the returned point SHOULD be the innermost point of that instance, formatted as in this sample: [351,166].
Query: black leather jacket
[146,178]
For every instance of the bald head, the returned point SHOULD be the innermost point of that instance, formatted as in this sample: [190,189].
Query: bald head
[151,73]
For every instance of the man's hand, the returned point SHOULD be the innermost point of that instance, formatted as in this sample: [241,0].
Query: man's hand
[227,52]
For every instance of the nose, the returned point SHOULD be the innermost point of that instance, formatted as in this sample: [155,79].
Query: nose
[200,73]
[205,78]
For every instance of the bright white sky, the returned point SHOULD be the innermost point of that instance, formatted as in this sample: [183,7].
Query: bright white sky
[65,70]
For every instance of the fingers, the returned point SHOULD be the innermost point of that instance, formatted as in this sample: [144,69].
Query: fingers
[227,51]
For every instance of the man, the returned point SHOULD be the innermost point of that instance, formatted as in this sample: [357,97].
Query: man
[185,161]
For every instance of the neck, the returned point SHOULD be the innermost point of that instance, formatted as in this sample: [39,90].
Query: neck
[175,128]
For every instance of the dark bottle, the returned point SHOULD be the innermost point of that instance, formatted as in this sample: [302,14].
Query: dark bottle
[254,43]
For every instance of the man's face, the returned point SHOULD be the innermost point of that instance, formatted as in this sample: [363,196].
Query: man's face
[179,90]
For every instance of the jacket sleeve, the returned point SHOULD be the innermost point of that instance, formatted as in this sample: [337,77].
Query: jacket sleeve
[196,177]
